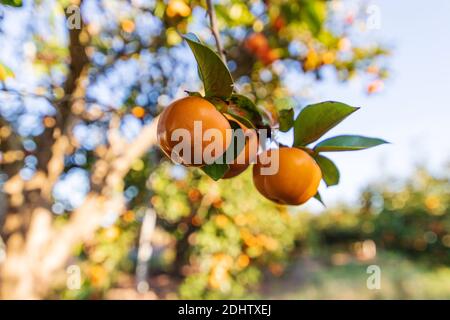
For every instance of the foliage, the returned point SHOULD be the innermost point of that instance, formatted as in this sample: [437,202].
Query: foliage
[231,233]
[78,94]
[234,236]
[213,72]
[347,143]
[412,218]
[105,259]
[14,3]
[312,122]
[315,120]
[401,278]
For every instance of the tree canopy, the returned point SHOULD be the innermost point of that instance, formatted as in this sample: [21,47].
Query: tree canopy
[81,84]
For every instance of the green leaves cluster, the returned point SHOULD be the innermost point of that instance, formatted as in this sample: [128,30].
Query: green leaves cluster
[313,122]
[218,85]
[214,73]
[309,126]
[13,3]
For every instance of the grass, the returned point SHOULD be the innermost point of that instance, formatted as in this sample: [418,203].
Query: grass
[401,278]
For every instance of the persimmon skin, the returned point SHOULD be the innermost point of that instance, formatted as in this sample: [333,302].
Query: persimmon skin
[247,155]
[296,180]
[182,114]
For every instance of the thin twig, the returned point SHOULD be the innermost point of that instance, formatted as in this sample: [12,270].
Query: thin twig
[214,29]
[24,94]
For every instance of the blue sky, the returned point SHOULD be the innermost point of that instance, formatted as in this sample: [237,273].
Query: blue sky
[412,112]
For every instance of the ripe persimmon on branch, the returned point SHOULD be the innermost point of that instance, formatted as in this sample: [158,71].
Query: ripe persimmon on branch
[103,86]
[222,109]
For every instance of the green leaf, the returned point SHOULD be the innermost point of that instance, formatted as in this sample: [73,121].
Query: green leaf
[316,119]
[241,119]
[330,173]
[314,14]
[214,73]
[219,103]
[244,103]
[283,103]
[194,37]
[242,16]
[286,119]
[244,107]
[14,3]
[348,143]
[216,170]
[319,198]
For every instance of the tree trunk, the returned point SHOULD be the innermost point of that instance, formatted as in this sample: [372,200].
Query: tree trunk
[37,249]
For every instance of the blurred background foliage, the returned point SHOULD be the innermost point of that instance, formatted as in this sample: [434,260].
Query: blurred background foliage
[216,241]
[212,239]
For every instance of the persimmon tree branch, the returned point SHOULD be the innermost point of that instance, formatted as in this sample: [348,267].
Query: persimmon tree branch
[214,28]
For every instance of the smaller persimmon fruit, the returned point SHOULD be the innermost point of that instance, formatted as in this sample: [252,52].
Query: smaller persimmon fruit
[294,182]
[247,154]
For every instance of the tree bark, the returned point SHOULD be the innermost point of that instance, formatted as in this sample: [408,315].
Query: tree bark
[35,256]
[37,248]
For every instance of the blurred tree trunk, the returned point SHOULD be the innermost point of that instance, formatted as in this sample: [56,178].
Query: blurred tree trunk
[37,248]
[182,246]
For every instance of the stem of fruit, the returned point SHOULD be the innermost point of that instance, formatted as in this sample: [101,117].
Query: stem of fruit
[310,151]
[214,29]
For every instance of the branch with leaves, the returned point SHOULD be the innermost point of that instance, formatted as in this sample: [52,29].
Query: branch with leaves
[310,125]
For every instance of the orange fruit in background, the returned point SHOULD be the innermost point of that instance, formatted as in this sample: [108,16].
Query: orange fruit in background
[249,152]
[328,57]
[269,57]
[296,180]
[243,261]
[257,43]
[182,114]
[138,112]
[127,25]
[375,86]
[178,8]
[279,23]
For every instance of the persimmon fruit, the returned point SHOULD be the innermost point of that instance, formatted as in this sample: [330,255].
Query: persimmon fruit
[247,154]
[183,114]
[296,180]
